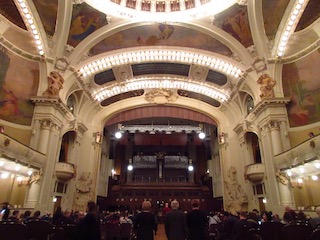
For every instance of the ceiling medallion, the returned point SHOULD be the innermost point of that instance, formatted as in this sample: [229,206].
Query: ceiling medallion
[161,96]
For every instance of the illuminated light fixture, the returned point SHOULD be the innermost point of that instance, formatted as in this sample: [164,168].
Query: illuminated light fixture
[30,172]
[4,175]
[54,199]
[205,89]
[113,172]
[216,64]
[289,173]
[202,135]
[118,135]
[300,180]
[1,163]
[264,200]
[17,167]
[317,165]
[302,170]
[314,177]
[31,24]
[152,129]
[130,167]
[190,168]
[290,26]
[169,15]
[19,178]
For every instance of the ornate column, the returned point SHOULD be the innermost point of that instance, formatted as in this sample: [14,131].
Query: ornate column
[284,188]
[45,126]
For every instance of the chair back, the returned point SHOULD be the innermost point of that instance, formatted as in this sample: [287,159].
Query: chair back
[37,229]
[297,231]
[69,231]
[316,234]
[13,230]
[254,234]
[214,231]
[113,230]
[126,230]
[56,233]
[271,230]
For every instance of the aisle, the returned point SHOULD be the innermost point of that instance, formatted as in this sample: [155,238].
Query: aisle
[161,235]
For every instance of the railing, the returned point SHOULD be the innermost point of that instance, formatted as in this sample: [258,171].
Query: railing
[255,172]
[64,170]
[307,151]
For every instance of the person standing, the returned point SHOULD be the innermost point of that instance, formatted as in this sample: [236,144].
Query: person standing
[197,222]
[145,224]
[175,223]
[89,227]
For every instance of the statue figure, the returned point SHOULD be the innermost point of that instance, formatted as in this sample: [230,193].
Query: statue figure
[55,83]
[267,84]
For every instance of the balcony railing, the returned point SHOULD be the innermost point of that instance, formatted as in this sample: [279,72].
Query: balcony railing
[64,171]
[255,172]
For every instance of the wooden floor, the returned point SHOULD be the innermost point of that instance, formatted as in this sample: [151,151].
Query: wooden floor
[161,235]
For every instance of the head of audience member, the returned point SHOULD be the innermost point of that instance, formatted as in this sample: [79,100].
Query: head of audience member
[36,214]
[287,217]
[175,204]
[267,216]
[195,203]
[146,206]
[318,210]
[91,206]
[301,216]
[243,215]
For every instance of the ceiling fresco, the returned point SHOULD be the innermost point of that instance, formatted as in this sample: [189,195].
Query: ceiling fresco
[47,10]
[160,35]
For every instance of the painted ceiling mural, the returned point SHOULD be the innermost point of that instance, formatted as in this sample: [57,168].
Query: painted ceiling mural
[301,83]
[160,35]
[19,81]
[47,10]
[85,20]
[235,21]
[310,14]
[273,11]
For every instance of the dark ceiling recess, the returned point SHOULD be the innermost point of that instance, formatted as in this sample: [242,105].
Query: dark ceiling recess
[200,97]
[160,68]
[121,96]
[104,77]
[9,10]
[216,78]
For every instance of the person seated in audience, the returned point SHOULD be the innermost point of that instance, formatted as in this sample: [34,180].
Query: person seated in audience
[252,220]
[26,216]
[228,221]
[46,217]
[301,217]
[14,217]
[287,218]
[314,222]
[125,218]
[36,215]
[241,227]
[214,218]
[276,218]
[266,217]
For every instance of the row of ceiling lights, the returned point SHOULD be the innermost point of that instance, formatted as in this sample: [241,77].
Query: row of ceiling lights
[291,24]
[136,84]
[31,24]
[8,168]
[161,55]
[310,169]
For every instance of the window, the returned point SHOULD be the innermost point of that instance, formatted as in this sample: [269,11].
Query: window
[249,104]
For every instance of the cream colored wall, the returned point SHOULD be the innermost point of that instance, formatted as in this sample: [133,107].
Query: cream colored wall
[20,134]
[298,136]
[11,192]
[306,195]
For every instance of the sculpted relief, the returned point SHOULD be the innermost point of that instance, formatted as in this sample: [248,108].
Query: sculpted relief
[55,83]
[83,192]
[236,198]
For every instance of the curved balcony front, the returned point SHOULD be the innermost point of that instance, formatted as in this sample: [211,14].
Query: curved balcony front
[64,171]
[255,172]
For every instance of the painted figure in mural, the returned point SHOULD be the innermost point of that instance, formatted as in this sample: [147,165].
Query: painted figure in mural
[267,84]
[55,82]
[165,32]
[9,106]
[236,198]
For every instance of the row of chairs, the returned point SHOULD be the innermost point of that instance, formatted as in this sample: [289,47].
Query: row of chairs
[271,231]
[35,230]
[115,230]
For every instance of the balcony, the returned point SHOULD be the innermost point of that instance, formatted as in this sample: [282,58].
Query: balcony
[255,172]
[64,171]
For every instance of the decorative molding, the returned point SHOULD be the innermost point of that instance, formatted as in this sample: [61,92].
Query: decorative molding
[51,101]
[161,96]
[267,102]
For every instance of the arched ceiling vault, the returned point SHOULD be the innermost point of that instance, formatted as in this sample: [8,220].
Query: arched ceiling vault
[222,52]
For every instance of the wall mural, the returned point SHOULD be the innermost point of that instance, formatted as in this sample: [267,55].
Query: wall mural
[273,11]
[301,83]
[235,21]
[19,80]
[85,20]
[47,10]
[160,35]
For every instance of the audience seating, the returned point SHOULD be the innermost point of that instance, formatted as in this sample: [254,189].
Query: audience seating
[214,231]
[126,231]
[13,230]
[316,234]
[271,230]
[69,231]
[254,234]
[296,231]
[113,230]
[56,233]
[37,229]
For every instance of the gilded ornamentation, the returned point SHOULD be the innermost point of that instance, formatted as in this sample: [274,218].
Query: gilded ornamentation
[282,178]
[161,96]
[267,84]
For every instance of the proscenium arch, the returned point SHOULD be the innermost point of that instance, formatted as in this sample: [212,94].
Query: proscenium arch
[105,114]
[107,31]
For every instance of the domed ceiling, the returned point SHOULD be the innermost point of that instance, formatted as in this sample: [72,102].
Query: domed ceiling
[125,49]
